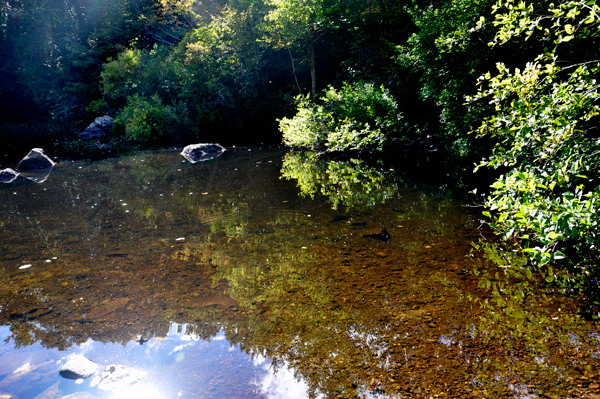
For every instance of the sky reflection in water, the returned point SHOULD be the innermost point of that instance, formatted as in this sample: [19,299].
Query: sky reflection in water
[168,362]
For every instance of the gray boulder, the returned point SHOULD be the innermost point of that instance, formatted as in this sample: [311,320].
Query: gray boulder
[202,152]
[104,122]
[8,175]
[79,366]
[98,128]
[35,160]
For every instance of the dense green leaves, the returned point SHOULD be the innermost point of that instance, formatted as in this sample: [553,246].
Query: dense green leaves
[443,57]
[357,117]
[543,123]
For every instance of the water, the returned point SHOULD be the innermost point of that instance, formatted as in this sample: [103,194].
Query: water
[261,274]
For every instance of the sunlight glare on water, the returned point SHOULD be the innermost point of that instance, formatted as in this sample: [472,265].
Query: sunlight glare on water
[138,391]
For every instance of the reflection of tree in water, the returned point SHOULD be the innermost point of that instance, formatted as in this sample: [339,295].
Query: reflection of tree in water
[350,183]
[295,314]
[539,327]
[348,333]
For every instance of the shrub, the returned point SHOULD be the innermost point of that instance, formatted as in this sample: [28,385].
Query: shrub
[357,117]
[144,120]
[545,122]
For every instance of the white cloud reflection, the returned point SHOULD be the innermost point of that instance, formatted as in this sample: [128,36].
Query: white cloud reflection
[137,391]
[281,384]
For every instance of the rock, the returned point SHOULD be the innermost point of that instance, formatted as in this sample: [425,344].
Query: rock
[38,176]
[79,366]
[202,152]
[8,175]
[377,234]
[35,160]
[117,376]
[105,123]
[98,128]
[91,133]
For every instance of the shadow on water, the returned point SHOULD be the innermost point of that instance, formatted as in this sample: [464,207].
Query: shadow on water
[219,280]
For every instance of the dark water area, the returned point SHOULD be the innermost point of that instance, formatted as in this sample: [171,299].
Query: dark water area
[262,274]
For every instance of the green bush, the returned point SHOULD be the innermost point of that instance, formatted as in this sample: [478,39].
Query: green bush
[143,120]
[544,125]
[357,117]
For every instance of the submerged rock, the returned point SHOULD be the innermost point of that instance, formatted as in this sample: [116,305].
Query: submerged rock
[202,152]
[377,234]
[98,128]
[35,160]
[8,175]
[117,376]
[79,366]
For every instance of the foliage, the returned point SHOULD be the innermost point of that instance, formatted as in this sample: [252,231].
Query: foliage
[443,57]
[351,183]
[213,79]
[543,125]
[144,73]
[144,120]
[224,65]
[51,52]
[97,107]
[292,23]
[358,117]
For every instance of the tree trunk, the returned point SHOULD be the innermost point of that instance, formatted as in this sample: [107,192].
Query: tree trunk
[294,70]
[313,73]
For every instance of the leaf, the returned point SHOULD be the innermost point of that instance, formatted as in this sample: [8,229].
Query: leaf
[552,236]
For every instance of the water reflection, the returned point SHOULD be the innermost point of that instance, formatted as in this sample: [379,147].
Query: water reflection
[138,391]
[279,382]
[220,281]
[38,176]
[351,183]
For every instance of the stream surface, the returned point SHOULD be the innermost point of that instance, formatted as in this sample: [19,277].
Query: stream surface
[266,274]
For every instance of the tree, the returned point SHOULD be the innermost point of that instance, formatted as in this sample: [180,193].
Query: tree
[359,117]
[300,23]
[443,58]
[545,124]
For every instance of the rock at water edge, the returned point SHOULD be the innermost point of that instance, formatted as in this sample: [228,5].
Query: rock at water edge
[38,175]
[98,128]
[8,175]
[104,122]
[36,159]
[202,152]
[79,366]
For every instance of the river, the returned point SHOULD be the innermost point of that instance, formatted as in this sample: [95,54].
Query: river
[266,274]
